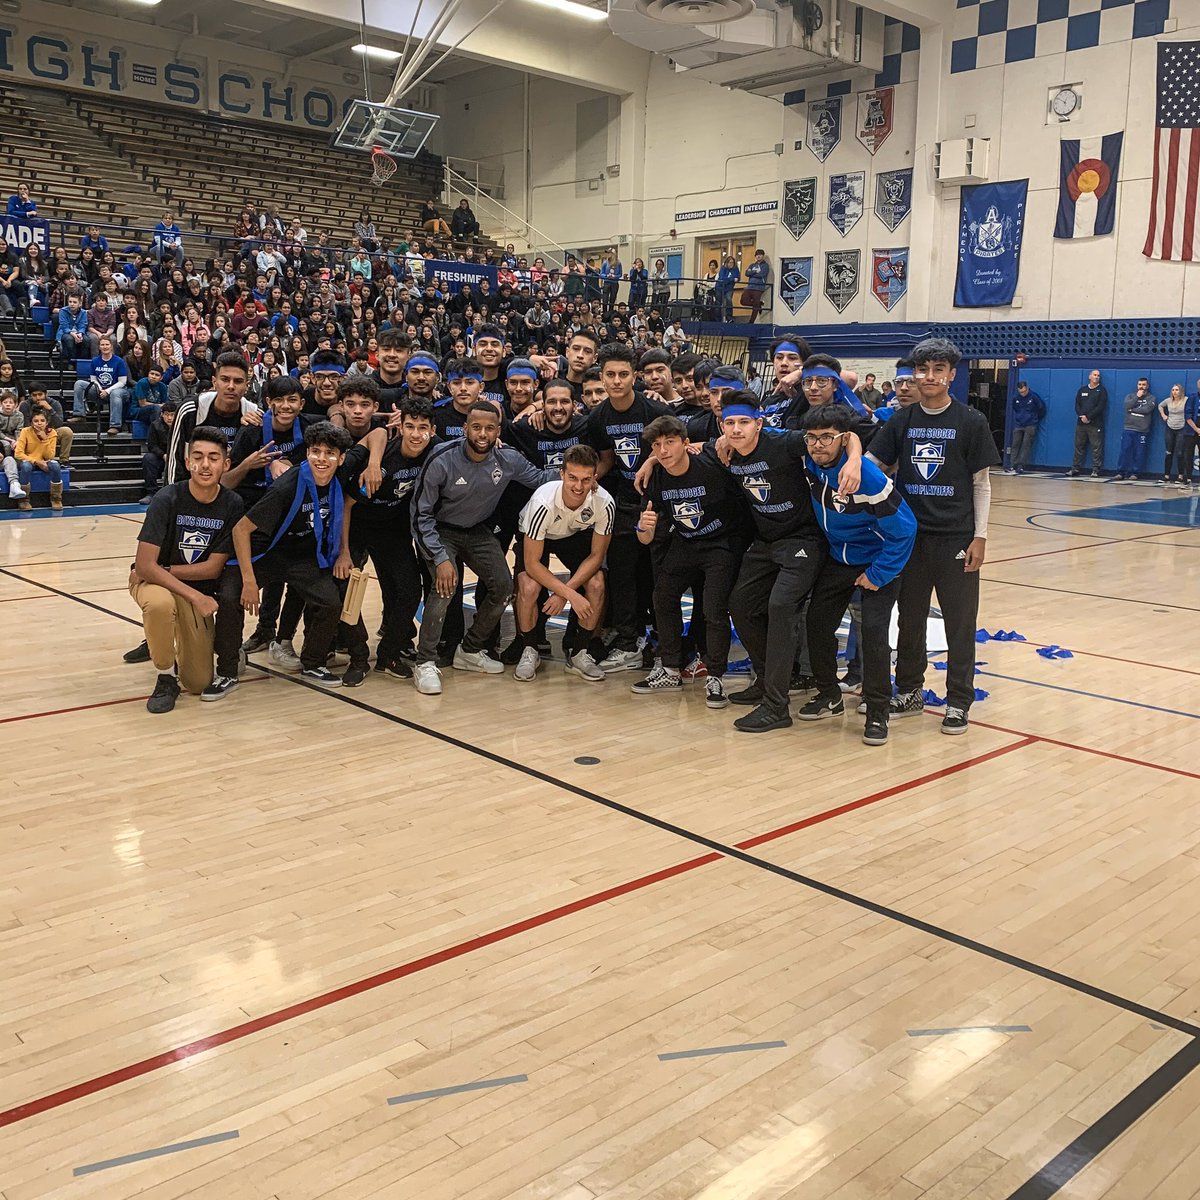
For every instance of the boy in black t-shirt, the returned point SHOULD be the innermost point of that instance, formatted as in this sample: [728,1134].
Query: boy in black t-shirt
[293,535]
[180,582]
[377,479]
[615,430]
[697,500]
[942,452]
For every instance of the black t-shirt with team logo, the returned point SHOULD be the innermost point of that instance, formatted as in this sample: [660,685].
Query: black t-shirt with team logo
[772,478]
[621,432]
[187,531]
[702,503]
[388,508]
[448,421]
[936,456]
[289,443]
[268,514]
[230,424]
[544,447]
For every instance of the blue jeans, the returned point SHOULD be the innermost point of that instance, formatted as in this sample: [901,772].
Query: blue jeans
[86,390]
[71,349]
[26,470]
[1133,452]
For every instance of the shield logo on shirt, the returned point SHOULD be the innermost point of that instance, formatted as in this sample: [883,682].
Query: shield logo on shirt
[497,476]
[628,449]
[554,458]
[928,458]
[688,513]
[193,544]
[758,487]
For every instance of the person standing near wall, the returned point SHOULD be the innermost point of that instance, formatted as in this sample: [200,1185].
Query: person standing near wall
[1139,412]
[1028,411]
[1091,403]
[1173,411]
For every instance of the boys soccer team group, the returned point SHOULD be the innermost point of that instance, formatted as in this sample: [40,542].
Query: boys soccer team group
[777,513]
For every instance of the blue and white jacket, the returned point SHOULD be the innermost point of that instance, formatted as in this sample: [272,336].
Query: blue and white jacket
[873,528]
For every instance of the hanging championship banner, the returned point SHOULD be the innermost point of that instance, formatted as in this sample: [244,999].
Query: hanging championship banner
[889,275]
[824,126]
[874,117]
[799,205]
[846,200]
[991,221]
[841,276]
[893,197]
[795,282]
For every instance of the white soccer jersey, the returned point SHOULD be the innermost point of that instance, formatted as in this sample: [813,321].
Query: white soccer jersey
[546,518]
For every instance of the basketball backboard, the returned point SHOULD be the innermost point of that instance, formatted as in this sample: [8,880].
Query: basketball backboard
[400,131]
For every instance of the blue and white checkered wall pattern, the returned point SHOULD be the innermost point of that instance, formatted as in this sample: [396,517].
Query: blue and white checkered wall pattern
[901,50]
[990,32]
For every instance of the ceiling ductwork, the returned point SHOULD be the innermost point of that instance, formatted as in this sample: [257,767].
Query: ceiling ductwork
[757,46]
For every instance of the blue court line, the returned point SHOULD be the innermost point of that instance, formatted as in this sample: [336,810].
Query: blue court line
[1183,511]
[1056,687]
[670,1056]
[141,1155]
[969,1029]
[76,510]
[477,1086]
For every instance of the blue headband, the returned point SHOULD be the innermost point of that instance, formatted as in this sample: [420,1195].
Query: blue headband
[787,348]
[516,371]
[741,410]
[726,379]
[841,392]
[455,375]
[328,369]
[423,360]
[905,373]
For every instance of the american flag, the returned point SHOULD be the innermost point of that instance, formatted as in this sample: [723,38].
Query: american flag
[1174,233]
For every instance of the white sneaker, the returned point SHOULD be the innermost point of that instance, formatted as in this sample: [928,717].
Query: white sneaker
[15,491]
[427,679]
[581,663]
[622,660]
[284,656]
[477,661]
[526,670]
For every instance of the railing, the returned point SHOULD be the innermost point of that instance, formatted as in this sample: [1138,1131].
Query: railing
[512,228]
[688,298]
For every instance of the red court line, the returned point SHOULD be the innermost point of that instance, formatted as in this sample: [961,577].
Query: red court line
[89,1087]
[58,712]
[43,595]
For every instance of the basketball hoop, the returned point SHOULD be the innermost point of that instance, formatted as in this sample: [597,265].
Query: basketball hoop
[383,166]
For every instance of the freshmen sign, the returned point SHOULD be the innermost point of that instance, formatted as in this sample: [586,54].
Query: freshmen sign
[20,232]
[455,274]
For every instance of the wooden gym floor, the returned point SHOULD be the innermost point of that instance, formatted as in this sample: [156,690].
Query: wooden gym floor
[271,940]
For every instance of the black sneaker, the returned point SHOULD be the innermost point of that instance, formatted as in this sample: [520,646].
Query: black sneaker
[354,675]
[820,707]
[166,692]
[763,720]
[659,680]
[875,732]
[221,685]
[321,676]
[260,639]
[397,667]
[954,722]
[544,650]
[801,684]
[752,695]
[907,704]
[140,653]
[407,653]
[511,654]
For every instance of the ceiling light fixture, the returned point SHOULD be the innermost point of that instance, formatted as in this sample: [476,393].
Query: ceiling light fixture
[377,52]
[575,10]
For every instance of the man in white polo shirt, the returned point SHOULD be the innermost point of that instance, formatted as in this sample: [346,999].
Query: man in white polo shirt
[576,518]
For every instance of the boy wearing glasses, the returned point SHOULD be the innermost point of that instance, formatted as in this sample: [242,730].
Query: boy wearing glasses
[870,536]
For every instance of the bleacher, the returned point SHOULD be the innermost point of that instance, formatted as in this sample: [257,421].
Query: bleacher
[205,168]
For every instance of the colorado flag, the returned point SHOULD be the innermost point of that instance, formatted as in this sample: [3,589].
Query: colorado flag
[1087,190]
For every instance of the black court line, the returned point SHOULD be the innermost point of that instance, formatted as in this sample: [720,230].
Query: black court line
[1041,587]
[62,562]
[1064,1166]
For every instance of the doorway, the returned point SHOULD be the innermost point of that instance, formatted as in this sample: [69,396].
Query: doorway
[741,246]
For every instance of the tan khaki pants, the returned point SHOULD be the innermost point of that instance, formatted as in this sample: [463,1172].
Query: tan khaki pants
[176,634]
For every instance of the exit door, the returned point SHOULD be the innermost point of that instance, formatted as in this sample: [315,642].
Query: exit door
[741,247]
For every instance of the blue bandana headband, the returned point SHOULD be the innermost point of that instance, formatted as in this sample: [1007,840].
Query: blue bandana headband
[905,373]
[518,372]
[423,360]
[732,379]
[741,410]
[328,369]
[841,392]
[454,376]
[787,348]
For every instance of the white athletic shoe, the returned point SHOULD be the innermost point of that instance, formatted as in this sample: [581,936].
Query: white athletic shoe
[284,656]
[581,663]
[427,679]
[526,670]
[15,491]
[622,660]
[477,661]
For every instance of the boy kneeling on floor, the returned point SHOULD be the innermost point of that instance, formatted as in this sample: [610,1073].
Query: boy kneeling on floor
[189,596]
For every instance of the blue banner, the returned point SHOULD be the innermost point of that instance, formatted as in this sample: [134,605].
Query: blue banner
[824,126]
[795,282]
[19,232]
[893,196]
[991,221]
[455,274]
[846,200]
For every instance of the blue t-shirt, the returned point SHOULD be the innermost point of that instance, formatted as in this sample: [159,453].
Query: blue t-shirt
[106,373]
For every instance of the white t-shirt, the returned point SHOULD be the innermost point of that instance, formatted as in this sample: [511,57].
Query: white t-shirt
[546,518]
